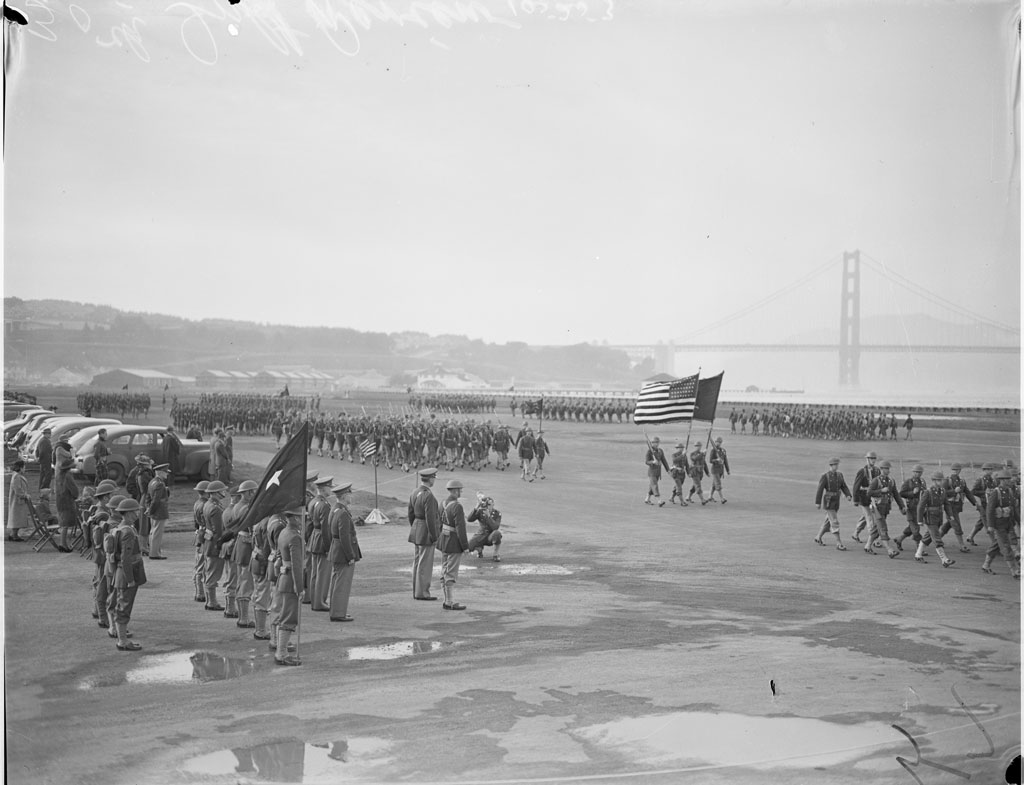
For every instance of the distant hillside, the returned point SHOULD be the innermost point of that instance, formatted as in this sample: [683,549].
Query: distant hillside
[41,336]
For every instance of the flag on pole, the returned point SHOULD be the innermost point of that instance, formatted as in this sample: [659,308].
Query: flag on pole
[707,398]
[666,402]
[367,447]
[283,486]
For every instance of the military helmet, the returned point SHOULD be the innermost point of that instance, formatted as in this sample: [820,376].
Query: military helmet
[937,475]
[454,485]
[201,486]
[956,467]
[885,465]
[216,487]
[129,505]
[115,500]
[918,469]
[248,485]
[871,454]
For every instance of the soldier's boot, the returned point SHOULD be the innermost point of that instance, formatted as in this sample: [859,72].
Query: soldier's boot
[821,533]
[231,609]
[261,633]
[243,613]
[281,656]
[892,550]
[111,625]
[919,555]
[273,636]
[946,561]
[123,643]
[861,525]
[211,600]
[987,565]
[963,546]
[200,589]
[495,557]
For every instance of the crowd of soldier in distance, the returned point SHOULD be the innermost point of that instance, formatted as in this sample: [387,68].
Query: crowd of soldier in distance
[819,422]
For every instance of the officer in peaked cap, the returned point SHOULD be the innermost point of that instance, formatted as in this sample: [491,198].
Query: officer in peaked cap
[861,483]
[831,485]
[317,539]
[199,539]
[424,530]
[343,554]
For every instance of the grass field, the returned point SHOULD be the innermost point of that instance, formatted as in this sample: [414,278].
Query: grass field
[615,641]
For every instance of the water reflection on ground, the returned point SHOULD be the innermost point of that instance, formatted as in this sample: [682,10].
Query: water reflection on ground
[294,761]
[174,668]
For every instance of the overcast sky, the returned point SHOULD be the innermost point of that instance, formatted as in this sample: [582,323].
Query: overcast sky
[543,172]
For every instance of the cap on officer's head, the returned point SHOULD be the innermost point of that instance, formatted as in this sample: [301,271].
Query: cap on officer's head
[311,475]
[345,487]
[324,481]
[454,485]
[429,473]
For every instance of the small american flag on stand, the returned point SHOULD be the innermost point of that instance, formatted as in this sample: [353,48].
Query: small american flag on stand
[666,402]
[367,447]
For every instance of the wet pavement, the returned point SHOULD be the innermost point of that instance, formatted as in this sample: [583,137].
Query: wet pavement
[614,642]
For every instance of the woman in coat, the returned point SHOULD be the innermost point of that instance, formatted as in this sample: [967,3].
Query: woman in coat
[18,502]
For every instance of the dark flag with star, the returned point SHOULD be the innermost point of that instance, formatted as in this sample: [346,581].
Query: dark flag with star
[283,486]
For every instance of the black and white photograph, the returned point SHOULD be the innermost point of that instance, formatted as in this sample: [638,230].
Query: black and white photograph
[512,391]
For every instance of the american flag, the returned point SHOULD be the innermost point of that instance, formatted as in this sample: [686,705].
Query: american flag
[367,447]
[665,402]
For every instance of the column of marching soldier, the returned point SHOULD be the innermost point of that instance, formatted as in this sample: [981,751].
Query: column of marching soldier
[931,510]
[269,566]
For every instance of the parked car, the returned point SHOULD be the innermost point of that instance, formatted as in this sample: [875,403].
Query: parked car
[127,441]
[20,433]
[12,410]
[62,428]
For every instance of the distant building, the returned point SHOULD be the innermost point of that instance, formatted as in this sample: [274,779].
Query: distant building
[135,378]
[439,378]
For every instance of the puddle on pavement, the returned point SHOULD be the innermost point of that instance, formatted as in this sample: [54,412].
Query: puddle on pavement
[535,569]
[293,761]
[174,668]
[699,738]
[394,651]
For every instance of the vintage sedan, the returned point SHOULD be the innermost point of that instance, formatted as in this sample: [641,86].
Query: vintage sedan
[125,442]
[61,428]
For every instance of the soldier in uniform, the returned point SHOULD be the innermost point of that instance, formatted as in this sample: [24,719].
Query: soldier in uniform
[861,483]
[129,571]
[213,519]
[719,468]
[452,543]
[99,524]
[679,471]
[956,492]
[882,492]
[44,454]
[830,486]
[241,552]
[289,584]
[199,568]
[655,459]
[1001,515]
[527,447]
[259,565]
[424,528]
[932,507]
[541,449]
[100,453]
[911,492]
[343,555]
[317,545]
[698,468]
[156,509]
[982,486]
[489,524]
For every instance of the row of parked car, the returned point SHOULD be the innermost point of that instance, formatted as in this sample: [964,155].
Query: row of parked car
[24,425]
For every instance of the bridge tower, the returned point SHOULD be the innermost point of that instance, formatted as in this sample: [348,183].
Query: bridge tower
[849,321]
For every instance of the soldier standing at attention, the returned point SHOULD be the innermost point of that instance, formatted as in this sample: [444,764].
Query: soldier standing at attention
[289,584]
[861,483]
[318,544]
[882,492]
[213,518]
[424,528]
[156,500]
[241,553]
[719,468]
[930,508]
[452,543]
[199,569]
[344,553]
[654,459]
[679,471]
[830,486]
[129,571]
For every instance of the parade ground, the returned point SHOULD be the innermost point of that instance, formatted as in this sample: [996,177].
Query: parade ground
[615,642]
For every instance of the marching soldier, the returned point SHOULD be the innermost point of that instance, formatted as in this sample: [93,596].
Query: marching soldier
[541,448]
[452,543]
[982,486]
[1001,514]
[861,483]
[698,468]
[343,555]
[719,468]
[654,459]
[883,492]
[931,507]
[679,471]
[830,486]
[424,528]
[911,492]
[956,492]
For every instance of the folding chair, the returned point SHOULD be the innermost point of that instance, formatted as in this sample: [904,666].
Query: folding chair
[43,533]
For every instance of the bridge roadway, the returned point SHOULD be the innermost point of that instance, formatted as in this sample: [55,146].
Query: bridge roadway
[818,347]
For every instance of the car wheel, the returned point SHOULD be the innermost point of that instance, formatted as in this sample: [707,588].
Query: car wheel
[116,472]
